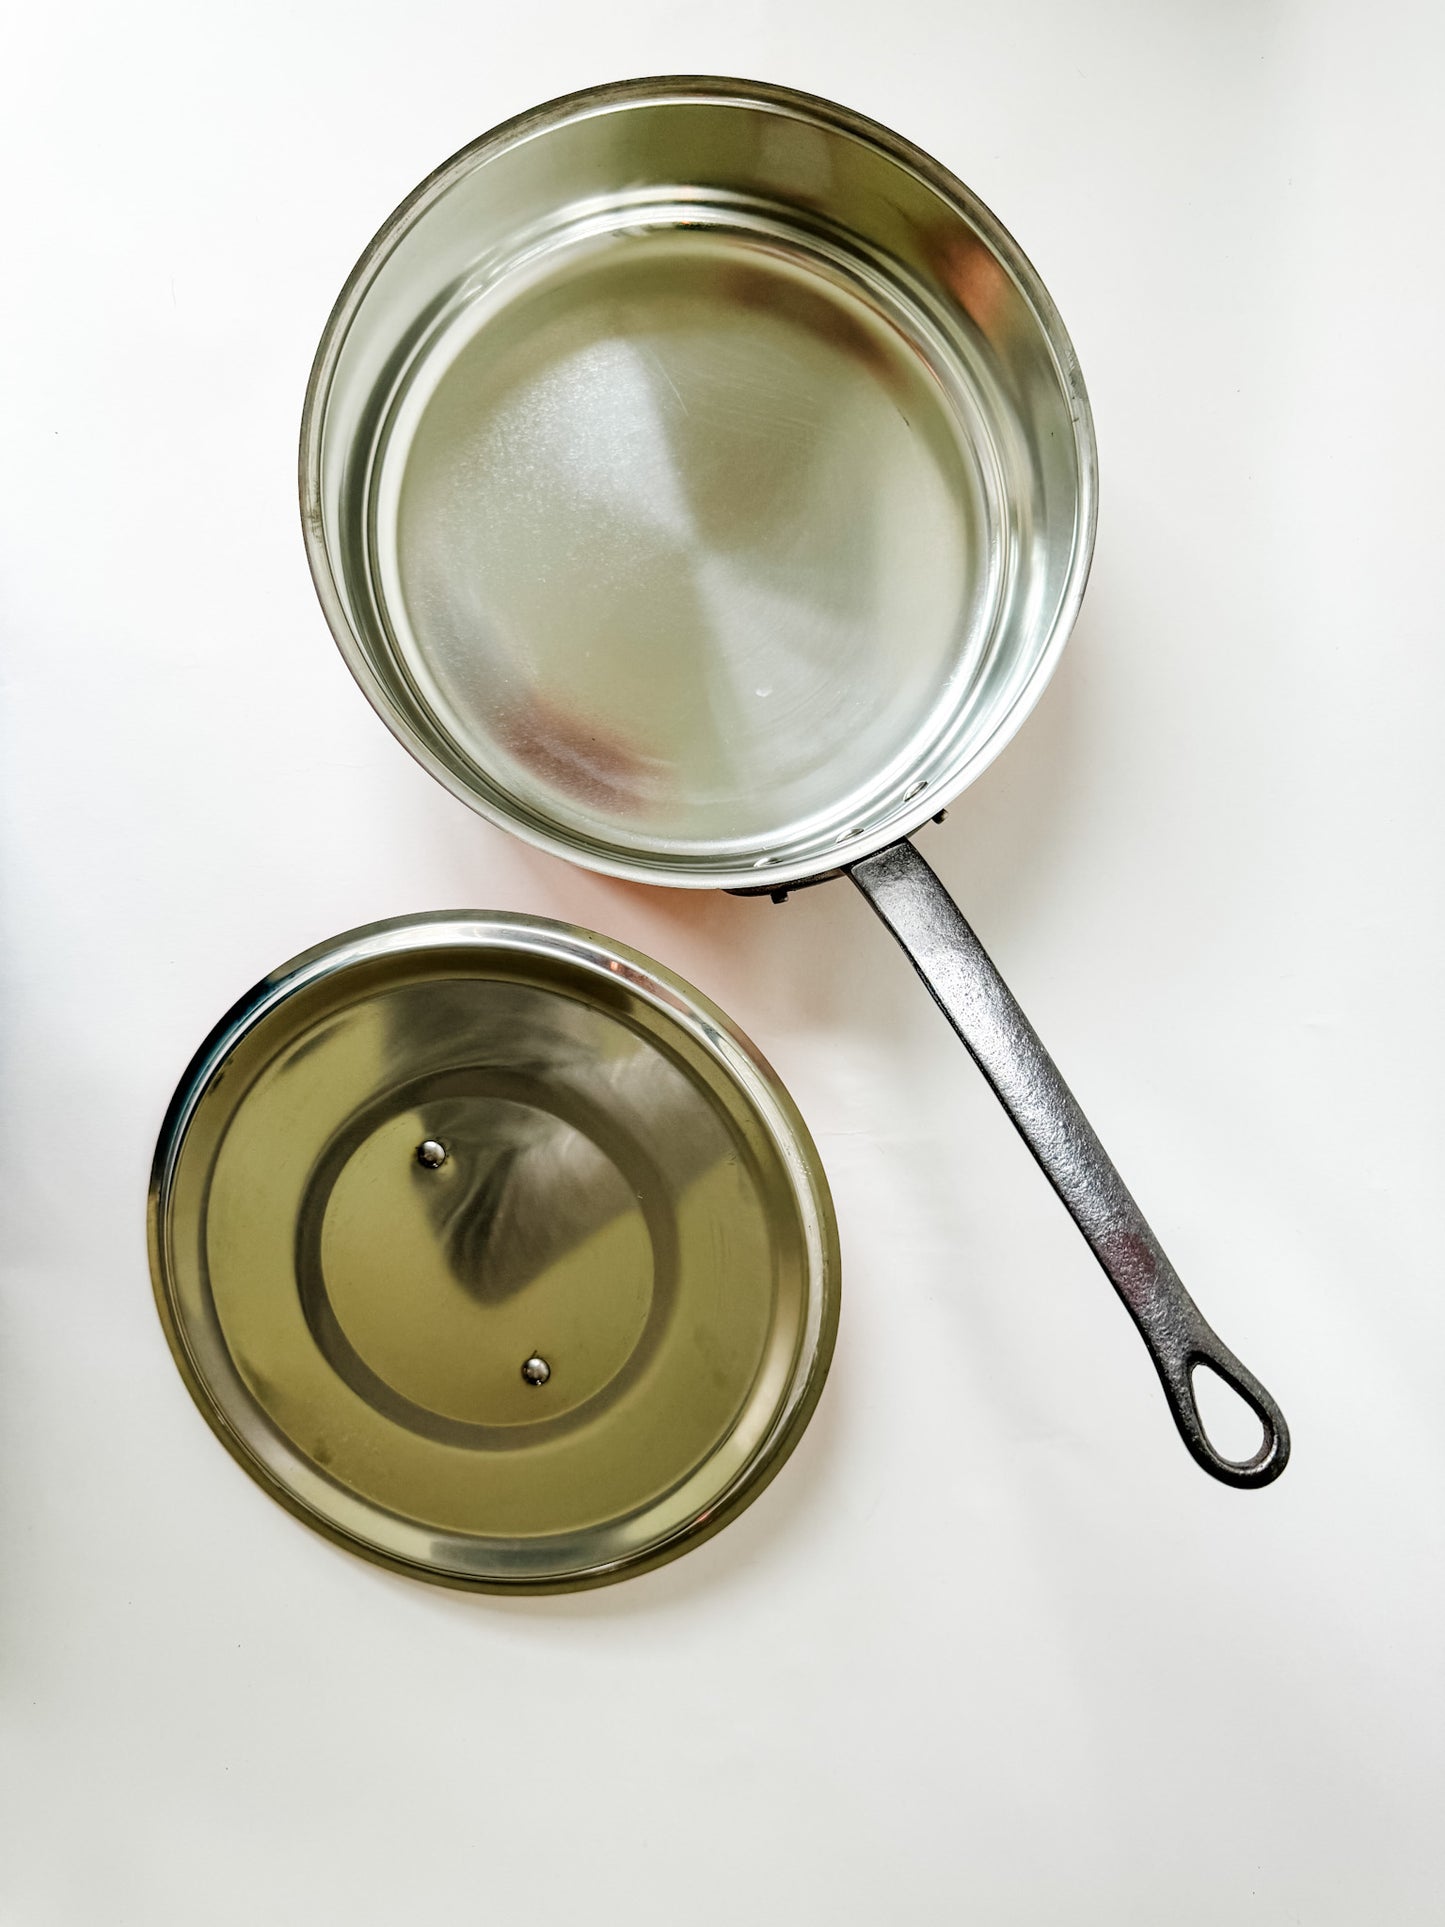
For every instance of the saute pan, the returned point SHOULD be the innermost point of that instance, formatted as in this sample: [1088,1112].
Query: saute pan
[699,482]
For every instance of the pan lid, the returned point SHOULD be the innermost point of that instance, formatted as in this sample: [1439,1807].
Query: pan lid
[494,1251]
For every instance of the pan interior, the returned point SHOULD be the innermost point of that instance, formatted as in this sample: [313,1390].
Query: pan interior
[688,539]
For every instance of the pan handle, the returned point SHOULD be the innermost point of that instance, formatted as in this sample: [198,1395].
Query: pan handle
[976,1001]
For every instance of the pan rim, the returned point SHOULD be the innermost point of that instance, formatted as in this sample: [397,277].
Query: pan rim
[661,868]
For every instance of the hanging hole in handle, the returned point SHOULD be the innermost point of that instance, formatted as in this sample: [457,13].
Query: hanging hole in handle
[1231,1424]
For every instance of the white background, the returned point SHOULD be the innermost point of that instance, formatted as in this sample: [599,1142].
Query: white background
[991,1649]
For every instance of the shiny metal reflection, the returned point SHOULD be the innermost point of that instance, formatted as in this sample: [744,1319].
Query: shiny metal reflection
[698,479]
[577,1342]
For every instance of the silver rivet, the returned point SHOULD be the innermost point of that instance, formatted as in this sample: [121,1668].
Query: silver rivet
[431,1153]
[536,1370]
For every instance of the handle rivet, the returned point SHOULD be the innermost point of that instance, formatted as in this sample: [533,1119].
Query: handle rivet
[535,1370]
[431,1153]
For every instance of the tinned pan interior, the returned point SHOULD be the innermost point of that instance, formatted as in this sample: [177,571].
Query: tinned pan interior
[839,191]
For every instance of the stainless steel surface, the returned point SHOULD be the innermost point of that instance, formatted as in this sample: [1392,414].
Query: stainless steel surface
[698,480]
[976,1001]
[582,1340]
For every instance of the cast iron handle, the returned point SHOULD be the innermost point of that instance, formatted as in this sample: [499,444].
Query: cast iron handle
[978,1003]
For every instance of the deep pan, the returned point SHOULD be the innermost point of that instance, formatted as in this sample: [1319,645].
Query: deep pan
[700,483]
